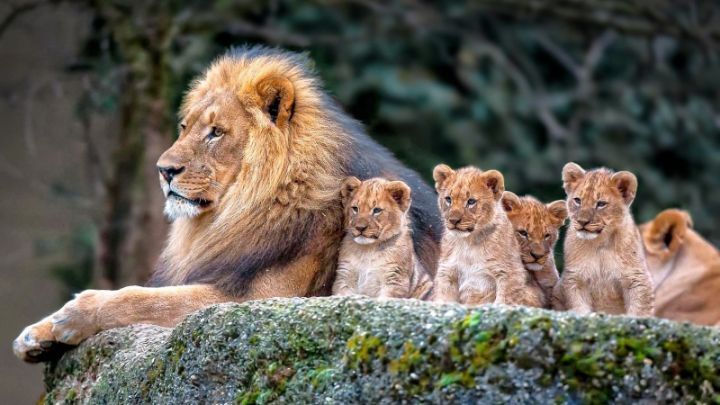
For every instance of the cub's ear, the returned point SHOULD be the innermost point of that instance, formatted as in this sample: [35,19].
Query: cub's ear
[666,233]
[276,97]
[495,181]
[348,188]
[441,174]
[558,211]
[571,174]
[626,183]
[400,192]
[510,202]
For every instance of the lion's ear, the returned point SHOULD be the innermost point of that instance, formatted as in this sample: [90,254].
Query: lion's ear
[558,211]
[400,192]
[441,174]
[276,98]
[495,181]
[666,233]
[626,183]
[571,175]
[510,201]
[348,188]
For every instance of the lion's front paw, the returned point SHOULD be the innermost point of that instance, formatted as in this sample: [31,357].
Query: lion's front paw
[37,343]
[73,323]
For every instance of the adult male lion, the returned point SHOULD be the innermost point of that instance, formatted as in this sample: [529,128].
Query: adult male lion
[252,187]
[685,269]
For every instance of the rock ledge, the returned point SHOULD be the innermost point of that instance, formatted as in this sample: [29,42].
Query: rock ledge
[352,350]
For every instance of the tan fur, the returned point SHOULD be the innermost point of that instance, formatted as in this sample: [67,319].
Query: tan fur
[605,269]
[685,269]
[377,258]
[536,228]
[241,179]
[480,259]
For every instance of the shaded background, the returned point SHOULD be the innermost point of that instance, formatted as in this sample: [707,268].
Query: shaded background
[89,90]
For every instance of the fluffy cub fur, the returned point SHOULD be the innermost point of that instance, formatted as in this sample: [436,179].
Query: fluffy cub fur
[376,256]
[536,229]
[685,269]
[605,269]
[479,260]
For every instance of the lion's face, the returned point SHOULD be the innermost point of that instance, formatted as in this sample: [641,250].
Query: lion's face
[467,197]
[536,227]
[598,199]
[203,162]
[374,209]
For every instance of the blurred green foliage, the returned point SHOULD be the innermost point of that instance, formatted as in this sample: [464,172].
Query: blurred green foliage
[462,84]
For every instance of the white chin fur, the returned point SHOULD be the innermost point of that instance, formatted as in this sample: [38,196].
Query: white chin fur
[460,234]
[587,235]
[361,240]
[176,208]
[533,266]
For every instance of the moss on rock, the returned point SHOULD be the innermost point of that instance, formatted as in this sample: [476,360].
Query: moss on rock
[351,350]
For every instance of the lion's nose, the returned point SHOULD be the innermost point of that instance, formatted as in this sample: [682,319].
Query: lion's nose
[583,221]
[536,255]
[169,172]
[361,227]
[454,220]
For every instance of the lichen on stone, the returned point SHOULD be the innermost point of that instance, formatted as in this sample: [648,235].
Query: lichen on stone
[353,350]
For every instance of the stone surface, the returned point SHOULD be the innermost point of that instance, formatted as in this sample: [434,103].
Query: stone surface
[351,350]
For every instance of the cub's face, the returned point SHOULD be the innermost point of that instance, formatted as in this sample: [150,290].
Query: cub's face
[218,131]
[374,209]
[598,199]
[536,227]
[467,197]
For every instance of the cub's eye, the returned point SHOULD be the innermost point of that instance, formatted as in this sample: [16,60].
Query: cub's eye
[601,204]
[448,200]
[215,132]
[523,233]
[547,236]
[354,210]
[577,201]
[376,211]
[471,202]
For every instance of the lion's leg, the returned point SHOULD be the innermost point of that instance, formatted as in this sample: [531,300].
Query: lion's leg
[95,310]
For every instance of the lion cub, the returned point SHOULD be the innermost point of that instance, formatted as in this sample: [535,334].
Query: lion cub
[536,229]
[605,269]
[479,259]
[377,257]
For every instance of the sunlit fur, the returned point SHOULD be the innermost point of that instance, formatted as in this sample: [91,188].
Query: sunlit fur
[253,195]
[480,258]
[605,269]
[376,256]
[685,269]
[536,228]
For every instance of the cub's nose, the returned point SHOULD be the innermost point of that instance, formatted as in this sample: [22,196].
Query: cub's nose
[361,227]
[169,172]
[454,220]
[583,222]
[535,255]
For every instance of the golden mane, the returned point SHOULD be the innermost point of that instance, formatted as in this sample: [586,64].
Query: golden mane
[296,169]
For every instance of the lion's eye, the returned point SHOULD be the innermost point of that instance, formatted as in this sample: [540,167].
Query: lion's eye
[448,200]
[376,211]
[215,132]
[471,202]
[354,210]
[577,201]
[601,204]
[523,233]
